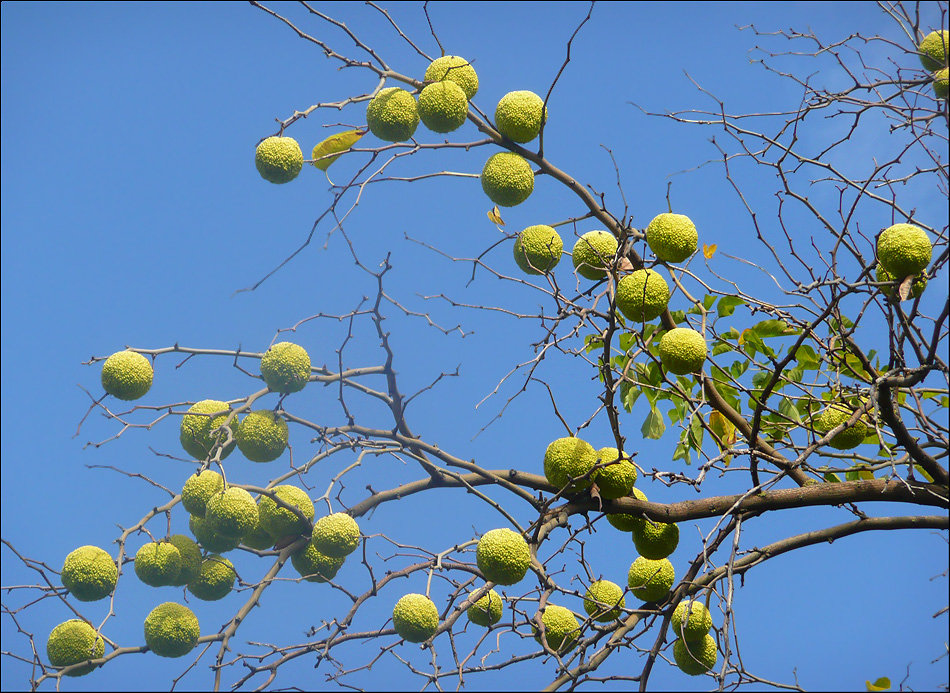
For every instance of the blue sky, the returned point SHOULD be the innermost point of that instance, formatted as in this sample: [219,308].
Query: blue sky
[132,213]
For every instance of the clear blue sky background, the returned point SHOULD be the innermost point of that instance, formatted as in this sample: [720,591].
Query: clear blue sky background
[132,211]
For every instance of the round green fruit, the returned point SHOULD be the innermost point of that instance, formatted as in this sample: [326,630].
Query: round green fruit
[567,459]
[315,566]
[232,512]
[835,415]
[392,115]
[443,107]
[942,83]
[127,375]
[933,50]
[507,179]
[280,522]
[415,618]
[903,250]
[916,288]
[642,295]
[593,253]
[208,538]
[215,579]
[196,429]
[486,611]
[503,556]
[650,580]
[89,573]
[158,563]
[262,436]
[285,368]
[336,535]
[279,159]
[624,521]
[561,628]
[190,558]
[604,600]
[672,237]
[198,491]
[695,658]
[538,249]
[72,642]
[454,69]
[171,630]
[615,480]
[682,351]
[656,540]
[691,621]
[518,116]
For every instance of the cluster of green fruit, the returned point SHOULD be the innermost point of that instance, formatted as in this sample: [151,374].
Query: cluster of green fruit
[933,56]
[904,250]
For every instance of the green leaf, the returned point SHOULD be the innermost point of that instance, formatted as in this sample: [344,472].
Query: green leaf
[738,368]
[727,305]
[721,348]
[678,316]
[627,340]
[682,453]
[708,301]
[831,478]
[339,142]
[923,472]
[629,393]
[882,684]
[807,357]
[592,342]
[653,427]
[773,328]
[788,409]
[696,432]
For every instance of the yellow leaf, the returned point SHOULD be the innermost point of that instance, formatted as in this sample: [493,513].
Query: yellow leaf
[495,216]
[882,684]
[333,144]
[741,339]
[709,250]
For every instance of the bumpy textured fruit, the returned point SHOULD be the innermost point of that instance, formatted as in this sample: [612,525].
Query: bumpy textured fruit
[285,368]
[834,416]
[196,437]
[262,436]
[443,107]
[593,253]
[507,179]
[215,579]
[280,522]
[656,540]
[279,159]
[933,50]
[209,539]
[336,535]
[650,580]
[198,490]
[561,628]
[626,522]
[904,249]
[672,237]
[158,563]
[171,630]
[916,288]
[691,621]
[415,618]
[682,351]
[232,512]
[486,611]
[604,600]
[73,642]
[190,559]
[258,538]
[614,480]
[454,69]
[315,566]
[392,115]
[566,459]
[503,556]
[126,375]
[695,658]
[518,115]
[942,83]
[538,249]
[89,573]
[642,295]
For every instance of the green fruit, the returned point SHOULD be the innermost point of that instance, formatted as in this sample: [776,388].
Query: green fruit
[561,628]
[916,288]
[518,115]
[279,159]
[89,573]
[209,539]
[215,579]
[626,522]
[834,416]
[126,375]
[695,658]
[642,295]
[258,538]
[682,351]
[604,600]
[280,522]
[672,237]
[171,630]
[454,69]
[158,563]
[656,540]
[593,253]
[198,490]
[691,621]
[285,368]
[392,115]
[190,559]
[196,431]
[487,610]
[503,556]
[262,436]
[232,512]
[336,535]
[650,580]
[443,107]
[507,179]
[538,249]
[942,83]
[903,250]
[72,642]
[615,480]
[415,618]
[566,459]
[316,566]
[933,50]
